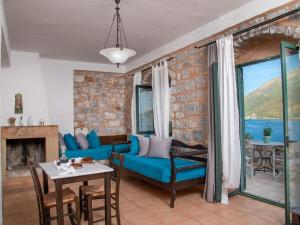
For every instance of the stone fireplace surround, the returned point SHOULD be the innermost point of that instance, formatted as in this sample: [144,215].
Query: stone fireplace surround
[48,133]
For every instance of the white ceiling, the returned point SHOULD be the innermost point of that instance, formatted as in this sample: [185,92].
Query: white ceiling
[77,29]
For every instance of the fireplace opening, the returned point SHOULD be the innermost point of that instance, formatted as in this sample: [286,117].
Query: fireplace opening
[20,151]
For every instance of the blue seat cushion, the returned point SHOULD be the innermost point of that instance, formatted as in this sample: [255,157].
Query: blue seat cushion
[159,168]
[70,142]
[122,147]
[100,153]
[93,139]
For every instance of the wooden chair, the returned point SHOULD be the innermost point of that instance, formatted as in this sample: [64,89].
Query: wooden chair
[47,201]
[88,193]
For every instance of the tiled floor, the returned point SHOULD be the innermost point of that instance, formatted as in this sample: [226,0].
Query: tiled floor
[144,204]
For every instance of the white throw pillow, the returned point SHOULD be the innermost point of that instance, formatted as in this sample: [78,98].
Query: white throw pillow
[144,144]
[159,147]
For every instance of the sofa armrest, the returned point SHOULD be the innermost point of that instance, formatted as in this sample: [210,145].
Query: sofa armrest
[184,153]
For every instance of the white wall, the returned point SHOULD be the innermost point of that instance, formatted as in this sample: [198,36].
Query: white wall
[46,86]
[24,76]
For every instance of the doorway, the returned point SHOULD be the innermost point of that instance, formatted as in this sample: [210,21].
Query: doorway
[262,112]
[269,97]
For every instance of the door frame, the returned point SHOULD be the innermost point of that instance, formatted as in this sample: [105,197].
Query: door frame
[240,93]
[286,45]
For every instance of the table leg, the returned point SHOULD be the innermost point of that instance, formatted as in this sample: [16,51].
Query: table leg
[273,162]
[107,199]
[45,183]
[59,204]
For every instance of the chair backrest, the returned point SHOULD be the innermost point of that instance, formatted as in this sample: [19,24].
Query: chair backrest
[116,162]
[38,192]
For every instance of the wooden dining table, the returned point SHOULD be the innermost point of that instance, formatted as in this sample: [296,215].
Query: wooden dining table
[88,172]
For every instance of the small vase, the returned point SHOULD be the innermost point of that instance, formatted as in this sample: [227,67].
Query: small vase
[267,139]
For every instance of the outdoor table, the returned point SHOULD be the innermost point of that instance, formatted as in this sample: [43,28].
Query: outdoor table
[269,147]
[87,172]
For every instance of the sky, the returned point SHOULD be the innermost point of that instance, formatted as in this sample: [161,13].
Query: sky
[257,74]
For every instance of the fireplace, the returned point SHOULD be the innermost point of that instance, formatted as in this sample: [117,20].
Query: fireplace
[20,144]
[20,151]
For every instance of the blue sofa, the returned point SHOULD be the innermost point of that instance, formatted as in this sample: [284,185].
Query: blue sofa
[116,143]
[160,168]
[182,170]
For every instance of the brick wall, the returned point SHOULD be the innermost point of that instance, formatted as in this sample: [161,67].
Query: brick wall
[100,101]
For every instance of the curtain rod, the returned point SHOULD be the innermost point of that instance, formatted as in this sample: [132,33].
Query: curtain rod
[148,68]
[257,25]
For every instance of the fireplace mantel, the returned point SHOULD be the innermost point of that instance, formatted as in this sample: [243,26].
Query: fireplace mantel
[49,132]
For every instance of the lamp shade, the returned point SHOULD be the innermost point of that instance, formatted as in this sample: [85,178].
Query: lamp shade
[117,55]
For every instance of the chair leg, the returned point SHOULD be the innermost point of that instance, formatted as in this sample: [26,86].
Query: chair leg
[78,214]
[84,207]
[90,209]
[118,213]
[80,202]
[71,216]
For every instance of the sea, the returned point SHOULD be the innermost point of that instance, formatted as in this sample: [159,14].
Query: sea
[255,128]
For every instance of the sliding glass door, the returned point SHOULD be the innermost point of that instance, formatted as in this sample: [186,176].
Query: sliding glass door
[260,106]
[291,103]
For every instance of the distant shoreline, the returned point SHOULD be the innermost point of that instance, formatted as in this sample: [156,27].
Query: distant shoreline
[271,119]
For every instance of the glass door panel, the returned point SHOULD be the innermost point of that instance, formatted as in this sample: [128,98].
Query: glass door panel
[291,100]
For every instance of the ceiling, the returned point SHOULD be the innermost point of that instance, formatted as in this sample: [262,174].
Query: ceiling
[77,29]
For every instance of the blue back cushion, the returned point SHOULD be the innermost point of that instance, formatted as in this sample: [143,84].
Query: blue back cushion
[93,139]
[134,146]
[70,142]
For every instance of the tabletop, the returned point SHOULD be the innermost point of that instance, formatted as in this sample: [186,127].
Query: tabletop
[87,169]
[272,143]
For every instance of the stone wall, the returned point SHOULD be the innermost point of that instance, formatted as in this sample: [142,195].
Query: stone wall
[188,71]
[100,101]
[103,100]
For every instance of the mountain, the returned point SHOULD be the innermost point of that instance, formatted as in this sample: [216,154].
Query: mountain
[266,101]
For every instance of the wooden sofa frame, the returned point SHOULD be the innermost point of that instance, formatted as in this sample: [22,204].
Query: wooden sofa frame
[174,186]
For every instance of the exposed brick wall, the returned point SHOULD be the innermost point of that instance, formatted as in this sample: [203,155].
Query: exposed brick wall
[100,101]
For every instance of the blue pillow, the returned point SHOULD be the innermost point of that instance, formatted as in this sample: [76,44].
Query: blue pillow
[70,142]
[134,146]
[93,139]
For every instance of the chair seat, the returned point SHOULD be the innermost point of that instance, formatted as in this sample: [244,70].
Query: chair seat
[50,198]
[95,190]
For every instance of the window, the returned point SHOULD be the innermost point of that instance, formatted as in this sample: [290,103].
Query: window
[144,109]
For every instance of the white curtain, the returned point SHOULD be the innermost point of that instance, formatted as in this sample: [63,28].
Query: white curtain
[161,101]
[230,138]
[137,80]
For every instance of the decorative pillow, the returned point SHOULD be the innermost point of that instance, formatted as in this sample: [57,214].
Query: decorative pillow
[70,142]
[93,139]
[82,141]
[159,147]
[144,145]
[61,140]
[134,146]
[62,144]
